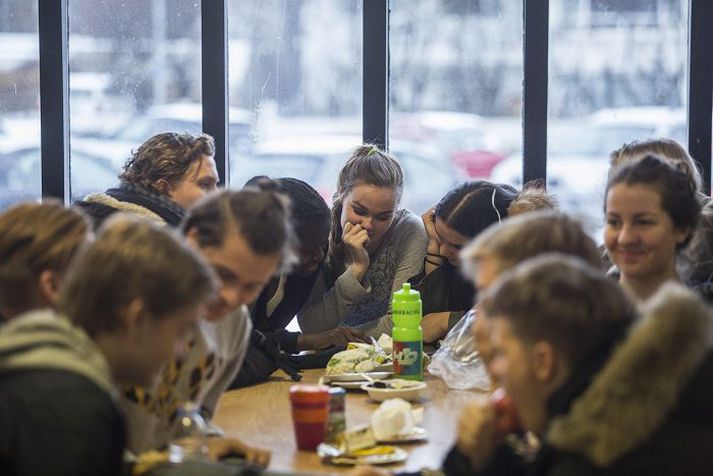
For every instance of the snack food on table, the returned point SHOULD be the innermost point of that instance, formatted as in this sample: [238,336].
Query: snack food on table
[361,358]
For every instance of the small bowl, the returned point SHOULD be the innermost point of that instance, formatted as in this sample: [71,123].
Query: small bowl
[411,390]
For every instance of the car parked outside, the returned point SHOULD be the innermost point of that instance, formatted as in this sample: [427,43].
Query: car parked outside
[177,117]
[578,155]
[20,174]
[317,160]
[461,135]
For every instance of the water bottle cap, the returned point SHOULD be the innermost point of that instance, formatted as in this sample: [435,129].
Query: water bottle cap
[406,293]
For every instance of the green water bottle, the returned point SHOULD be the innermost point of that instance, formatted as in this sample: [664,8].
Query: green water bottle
[407,333]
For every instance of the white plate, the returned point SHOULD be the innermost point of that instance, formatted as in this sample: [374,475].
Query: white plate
[407,393]
[332,455]
[349,385]
[418,434]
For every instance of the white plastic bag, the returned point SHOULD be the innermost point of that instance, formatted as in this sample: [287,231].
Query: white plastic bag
[458,361]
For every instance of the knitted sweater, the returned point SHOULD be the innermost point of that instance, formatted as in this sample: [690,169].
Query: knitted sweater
[367,305]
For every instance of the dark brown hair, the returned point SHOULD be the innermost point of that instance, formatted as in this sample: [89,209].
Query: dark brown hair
[262,218]
[36,237]
[668,149]
[673,185]
[471,207]
[166,156]
[133,259]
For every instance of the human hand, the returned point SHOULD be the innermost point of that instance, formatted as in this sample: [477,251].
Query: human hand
[477,433]
[434,325]
[355,239]
[429,222]
[339,337]
[222,447]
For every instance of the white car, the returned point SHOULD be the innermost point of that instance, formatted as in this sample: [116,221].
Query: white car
[317,159]
[578,155]
[20,173]
[178,117]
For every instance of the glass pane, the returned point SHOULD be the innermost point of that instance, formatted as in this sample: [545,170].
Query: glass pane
[298,94]
[617,73]
[20,177]
[455,92]
[134,72]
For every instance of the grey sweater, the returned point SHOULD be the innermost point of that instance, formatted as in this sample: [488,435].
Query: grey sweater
[367,306]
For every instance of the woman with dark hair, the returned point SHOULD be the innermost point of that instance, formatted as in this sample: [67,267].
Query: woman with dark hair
[285,294]
[462,214]
[651,213]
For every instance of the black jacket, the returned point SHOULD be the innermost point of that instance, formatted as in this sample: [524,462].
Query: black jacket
[58,403]
[445,289]
[59,423]
[270,341]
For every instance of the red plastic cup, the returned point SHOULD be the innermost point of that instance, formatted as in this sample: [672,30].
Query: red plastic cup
[310,407]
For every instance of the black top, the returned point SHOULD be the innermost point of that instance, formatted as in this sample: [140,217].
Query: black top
[445,289]
[297,289]
[59,423]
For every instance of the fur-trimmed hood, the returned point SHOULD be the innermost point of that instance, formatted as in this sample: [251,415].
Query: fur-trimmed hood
[134,199]
[639,386]
[121,206]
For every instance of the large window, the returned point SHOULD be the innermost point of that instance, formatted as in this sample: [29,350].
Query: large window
[608,87]
[20,177]
[456,85]
[134,72]
[296,77]
[617,71]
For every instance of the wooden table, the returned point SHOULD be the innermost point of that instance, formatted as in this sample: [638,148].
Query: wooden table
[260,415]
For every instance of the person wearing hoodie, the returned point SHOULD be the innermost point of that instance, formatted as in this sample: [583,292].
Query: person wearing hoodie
[37,243]
[167,174]
[60,372]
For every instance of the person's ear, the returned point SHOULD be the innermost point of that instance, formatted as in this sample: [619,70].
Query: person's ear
[48,284]
[163,186]
[133,316]
[544,361]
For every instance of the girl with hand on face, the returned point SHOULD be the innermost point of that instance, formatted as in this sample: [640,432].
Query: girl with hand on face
[462,214]
[374,248]
[651,212]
